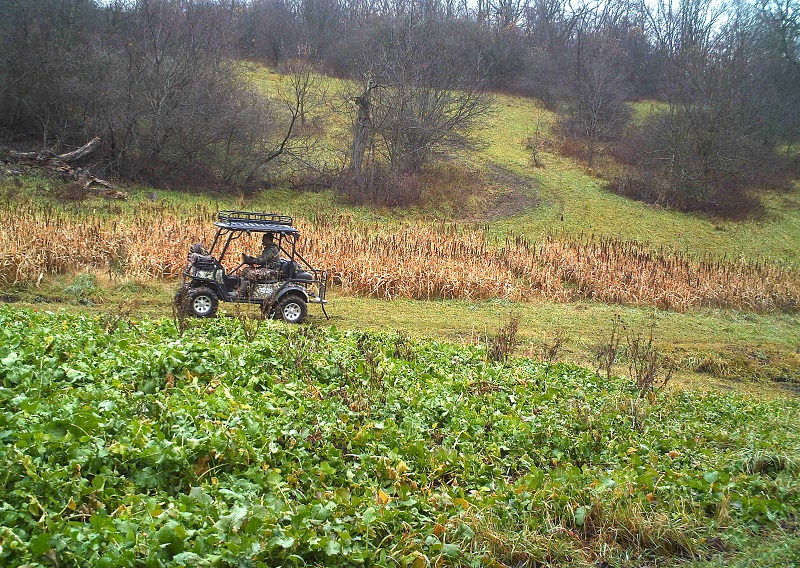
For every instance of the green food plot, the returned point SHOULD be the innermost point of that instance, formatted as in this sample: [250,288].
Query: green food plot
[239,443]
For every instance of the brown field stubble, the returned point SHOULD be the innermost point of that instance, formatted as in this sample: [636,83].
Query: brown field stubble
[418,261]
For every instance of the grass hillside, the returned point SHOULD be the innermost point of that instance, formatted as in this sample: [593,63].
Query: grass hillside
[238,443]
[498,184]
[574,201]
[448,413]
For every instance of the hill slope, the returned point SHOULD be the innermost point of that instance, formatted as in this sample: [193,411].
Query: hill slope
[564,196]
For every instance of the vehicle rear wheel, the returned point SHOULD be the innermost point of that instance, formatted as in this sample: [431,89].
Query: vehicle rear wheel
[291,309]
[201,302]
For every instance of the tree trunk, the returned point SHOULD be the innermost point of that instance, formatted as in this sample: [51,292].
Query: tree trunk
[81,152]
[361,130]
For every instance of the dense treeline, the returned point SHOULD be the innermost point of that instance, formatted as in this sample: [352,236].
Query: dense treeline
[154,79]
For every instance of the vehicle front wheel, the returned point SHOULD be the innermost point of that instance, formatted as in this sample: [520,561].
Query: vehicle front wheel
[201,302]
[291,309]
[180,299]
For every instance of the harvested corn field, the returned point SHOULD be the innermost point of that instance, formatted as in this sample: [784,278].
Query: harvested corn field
[418,261]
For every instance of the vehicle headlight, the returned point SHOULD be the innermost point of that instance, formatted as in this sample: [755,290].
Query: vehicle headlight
[202,273]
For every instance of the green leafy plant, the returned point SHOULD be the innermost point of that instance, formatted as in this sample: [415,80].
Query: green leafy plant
[83,287]
[133,443]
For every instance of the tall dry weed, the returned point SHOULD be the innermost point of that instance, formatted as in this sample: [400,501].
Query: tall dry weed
[420,261]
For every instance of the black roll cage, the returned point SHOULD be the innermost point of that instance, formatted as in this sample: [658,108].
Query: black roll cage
[231,225]
[236,223]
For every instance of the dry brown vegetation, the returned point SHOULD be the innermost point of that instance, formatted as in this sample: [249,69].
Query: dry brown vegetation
[420,261]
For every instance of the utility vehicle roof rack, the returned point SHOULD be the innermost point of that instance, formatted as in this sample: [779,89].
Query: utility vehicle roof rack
[271,218]
[254,221]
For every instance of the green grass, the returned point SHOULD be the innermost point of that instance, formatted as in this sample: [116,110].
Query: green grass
[713,349]
[643,109]
[575,202]
[773,552]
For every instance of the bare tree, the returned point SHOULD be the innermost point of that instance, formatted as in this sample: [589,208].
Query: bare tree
[153,78]
[550,27]
[718,134]
[421,97]
[596,110]
[269,29]
[507,13]
[782,19]
[778,23]
[303,85]
[363,135]
[42,47]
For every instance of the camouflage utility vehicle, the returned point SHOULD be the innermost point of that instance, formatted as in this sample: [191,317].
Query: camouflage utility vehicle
[283,283]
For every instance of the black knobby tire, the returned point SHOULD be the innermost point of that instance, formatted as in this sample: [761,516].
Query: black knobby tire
[291,309]
[201,302]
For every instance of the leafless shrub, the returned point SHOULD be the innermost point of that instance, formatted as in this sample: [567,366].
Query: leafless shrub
[381,187]
[633,185]
[180,316]
[596,110]
[502,345]
[606,351]
[647,366]
[549,349]
[534,142]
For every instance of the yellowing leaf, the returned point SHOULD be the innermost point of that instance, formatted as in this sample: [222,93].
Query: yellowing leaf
[420,561]
[382,498]
[71,505]
[459,502]
[201,467]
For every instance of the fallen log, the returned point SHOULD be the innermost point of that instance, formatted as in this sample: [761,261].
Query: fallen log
[49,156]
[81,152]
[27,156]
[60,164]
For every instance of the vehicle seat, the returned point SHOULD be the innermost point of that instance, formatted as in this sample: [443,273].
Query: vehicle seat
[288,269]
